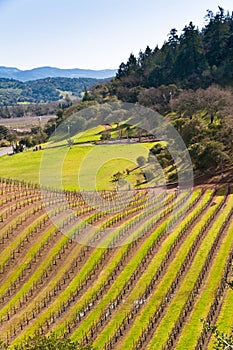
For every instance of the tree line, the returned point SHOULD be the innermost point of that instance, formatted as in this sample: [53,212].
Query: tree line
[196,58]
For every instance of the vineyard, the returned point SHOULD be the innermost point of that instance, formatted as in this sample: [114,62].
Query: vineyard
[161,270]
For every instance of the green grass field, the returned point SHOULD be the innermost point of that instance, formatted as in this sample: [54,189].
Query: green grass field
[82,166]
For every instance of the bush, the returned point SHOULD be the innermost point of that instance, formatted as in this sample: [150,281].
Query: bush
[141,161]
[148,175]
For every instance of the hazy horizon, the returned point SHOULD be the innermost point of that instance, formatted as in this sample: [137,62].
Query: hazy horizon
[58,68]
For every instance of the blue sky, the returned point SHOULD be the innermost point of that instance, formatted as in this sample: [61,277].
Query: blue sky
[89,33]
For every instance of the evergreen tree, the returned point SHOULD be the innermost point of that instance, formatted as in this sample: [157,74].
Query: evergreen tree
[190,61]
[216,35]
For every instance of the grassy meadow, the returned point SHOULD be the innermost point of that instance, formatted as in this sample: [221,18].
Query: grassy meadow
[84,165]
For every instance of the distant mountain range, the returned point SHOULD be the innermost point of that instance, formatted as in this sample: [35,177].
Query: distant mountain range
[51,72]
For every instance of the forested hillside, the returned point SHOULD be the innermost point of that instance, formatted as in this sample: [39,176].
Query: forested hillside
[196,58]
[42,90]
[189,80]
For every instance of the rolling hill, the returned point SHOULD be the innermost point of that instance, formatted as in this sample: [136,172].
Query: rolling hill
[41,90]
